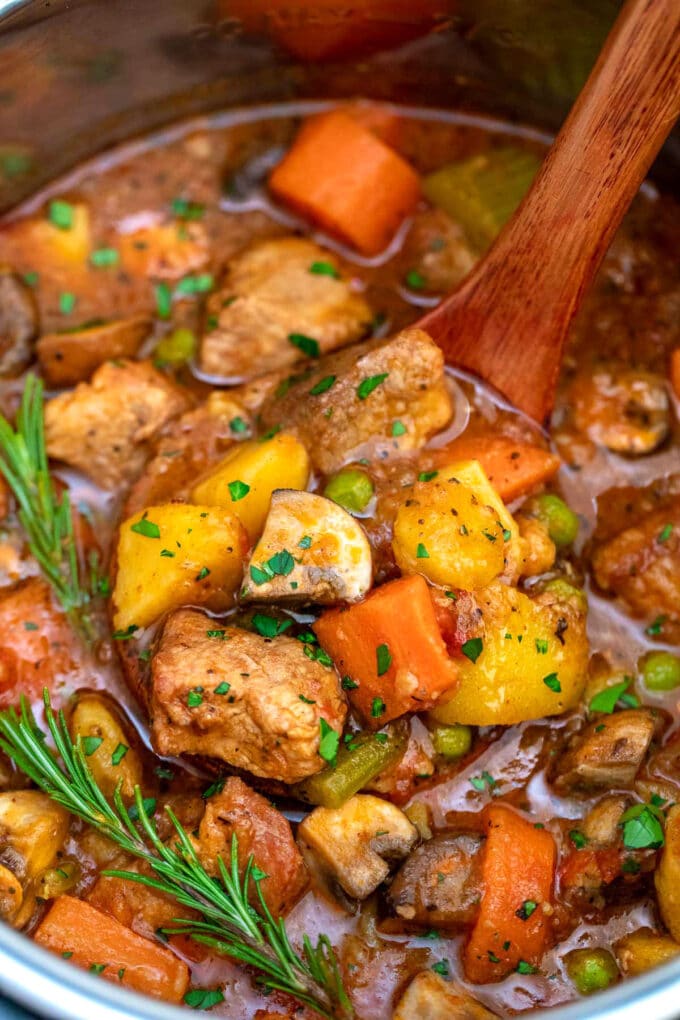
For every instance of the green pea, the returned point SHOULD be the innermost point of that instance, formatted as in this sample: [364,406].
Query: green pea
[591,970]
[177,347]
[558,518]
[451,741]
[661,671]
[565,591]
[351,489]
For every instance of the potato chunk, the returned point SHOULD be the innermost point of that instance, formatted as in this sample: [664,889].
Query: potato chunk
[245,479]
[345,409]
[355,843]
[608,753]
[643,950]
[68,358]
[531,659]
[454,529]
[102,426]
[32,831]
[270,295]
[253,702]
[107,745]
[173,555]
[667,875]
[330,555]
[429,997]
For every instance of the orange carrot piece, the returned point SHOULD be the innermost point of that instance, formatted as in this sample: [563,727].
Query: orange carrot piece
[513,468]
[391,646]
[338,174]
[95,941]
[675,371]
[517,870]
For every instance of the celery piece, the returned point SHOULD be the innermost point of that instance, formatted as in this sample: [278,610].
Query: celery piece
[362,758]
[482,192]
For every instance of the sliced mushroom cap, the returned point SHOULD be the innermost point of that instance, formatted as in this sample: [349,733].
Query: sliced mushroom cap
[608,753]
[601,824]
[18,322]
[71,357]
[429,997]
[441,882]
[355,843]
[32,830]
[330,549]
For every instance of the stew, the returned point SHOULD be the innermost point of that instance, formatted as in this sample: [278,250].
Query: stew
[329,684]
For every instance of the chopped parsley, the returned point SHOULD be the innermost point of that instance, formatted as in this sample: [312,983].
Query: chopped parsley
[665,533]
[146,528]
[542,646]
[414,279]
[238,425]
[552,682]
[60,214]
[348,684]
[606,700]
[199,284]
[222,688]
[195,697]
[441,967]
[90,745]
[642,827]
[307,344]
[383,659]
[163,300]
[98,968]
[398,428]
[237,490]
[472,648]
[305,542]
[481,783]
[526,910]
[427,476]
[328,743]
[656,626]
[102,258]
[377,708]
[125,635]
[526,968]
[203,998]
[67,302]
[421,552]
[370,383]
[324,269]
[119,753]
[219,633]
[268,626]
[323,385]
[186,210]
[578,839]
[202,574]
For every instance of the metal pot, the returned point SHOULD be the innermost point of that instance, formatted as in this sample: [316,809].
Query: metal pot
[77,76]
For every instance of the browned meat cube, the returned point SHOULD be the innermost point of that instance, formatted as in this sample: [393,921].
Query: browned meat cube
[253,702]
[608,753]
[625,409]
[642,565]
[429,997]
[262,832]
[18,323]
[436,248]
[346,407]
[270,297]
[439,885]
[102,427]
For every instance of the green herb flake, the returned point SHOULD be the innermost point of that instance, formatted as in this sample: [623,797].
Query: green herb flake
[542,646]
[163,300]
[219,633]
[125,635]
[190,285]
[415,280]
[281,563]
[98,968]
[119,753]
[552,682]
[656,626]
[323,385]
[348,684]
[578,839]
[329,740]
[305,542]
[222,688]
[377,708]
[383,659]
[307,344]
[67,302]
[483,782]
[102,258]
[237,490]
[607,699]
[184,209]
[370,383]
[146,528]
[167,554]
[195,697]
[642,827]
[29,625]
[398,428]
[324,269]
[665,533]
[427,476]
[421,552]
[90,745]
[31,278]
[67,954]
[202,574]
[238,425]
[526,910]
[472,648]
[203,998]
[60,214]
[526,968]
[441,967]
[268,626]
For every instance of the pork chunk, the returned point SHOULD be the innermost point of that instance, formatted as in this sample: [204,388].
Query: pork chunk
[102,427]
[18,323]
[345,409]
[271,294]
[608,753]
[253,702]
[642,565]
[429,997]
[440,883]
[262,832]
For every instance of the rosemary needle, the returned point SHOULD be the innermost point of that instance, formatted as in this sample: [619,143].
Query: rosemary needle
[44,513]
[228,922]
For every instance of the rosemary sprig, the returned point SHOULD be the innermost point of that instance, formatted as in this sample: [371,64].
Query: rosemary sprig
[44,513]
[228,923]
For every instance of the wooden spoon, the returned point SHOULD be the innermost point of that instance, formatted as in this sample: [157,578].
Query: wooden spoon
[508,321]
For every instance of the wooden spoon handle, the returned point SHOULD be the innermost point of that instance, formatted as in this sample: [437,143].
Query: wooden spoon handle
[508,321]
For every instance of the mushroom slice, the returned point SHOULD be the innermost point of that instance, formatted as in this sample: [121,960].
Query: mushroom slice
[70,357]
[32,830]
[608,753]
[355,843]
[429,996]
[329,552]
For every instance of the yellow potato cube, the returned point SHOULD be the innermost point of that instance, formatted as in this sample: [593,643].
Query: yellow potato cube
[176,555]
[642,950]
[667,875]
[244,481]
[529,659]
[454,528]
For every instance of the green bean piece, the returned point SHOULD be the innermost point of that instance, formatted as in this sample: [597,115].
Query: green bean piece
[591,970]
[176,348]
[360,760]
[559,519]
[351,489]
[661,671]
[451,741]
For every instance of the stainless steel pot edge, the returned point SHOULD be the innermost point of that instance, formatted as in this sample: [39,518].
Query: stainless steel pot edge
[53,989]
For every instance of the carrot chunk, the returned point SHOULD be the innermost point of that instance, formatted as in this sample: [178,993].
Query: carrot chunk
[513,468]
[99,943]
[675,371]
[512,930]
[341,176]
[391,647]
